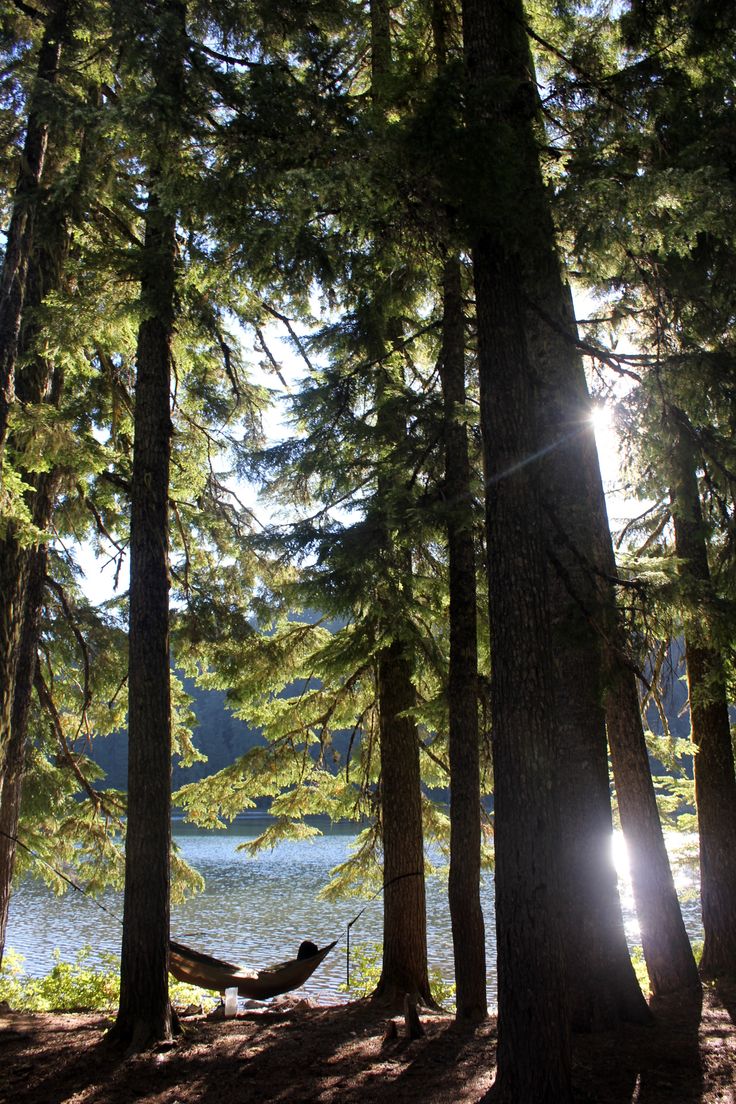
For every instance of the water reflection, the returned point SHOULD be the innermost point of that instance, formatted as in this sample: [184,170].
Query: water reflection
[258,910]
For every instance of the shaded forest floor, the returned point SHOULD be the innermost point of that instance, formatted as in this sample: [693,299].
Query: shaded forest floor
[295,1051]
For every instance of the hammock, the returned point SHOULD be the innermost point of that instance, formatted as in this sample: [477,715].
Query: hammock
[212,973]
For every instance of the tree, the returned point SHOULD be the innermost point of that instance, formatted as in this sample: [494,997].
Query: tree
[468,928]
[653,142]
[13,283]
[144,1014]
[715,780]
[533,1056]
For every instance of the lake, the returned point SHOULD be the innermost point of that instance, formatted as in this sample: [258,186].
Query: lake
[258,910]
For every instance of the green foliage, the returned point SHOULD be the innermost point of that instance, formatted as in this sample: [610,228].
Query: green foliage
[365,972]
[78,986]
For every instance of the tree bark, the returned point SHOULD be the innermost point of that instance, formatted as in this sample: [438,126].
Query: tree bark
[667,952]
[602,984]
[404,970]
[533,1054]
[144,1016]
[13,286]
[715,779]
[26,199]
[468,928]
[16,757]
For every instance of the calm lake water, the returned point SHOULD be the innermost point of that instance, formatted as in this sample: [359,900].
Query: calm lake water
[258,910]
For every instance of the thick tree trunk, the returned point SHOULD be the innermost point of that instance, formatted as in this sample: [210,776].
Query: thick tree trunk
[144,1015]
[533,1043]
[468,928]
[602,983]
[533,1055]
[715,779]
[15,760]
[665,943]
[404,967]
[21,230]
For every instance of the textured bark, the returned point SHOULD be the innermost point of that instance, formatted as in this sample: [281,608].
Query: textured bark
[15,761]
[468,928]
[715,779]
[26,198]
[36,382]
[144,1015]
[533,1055]
[13,284]
[667,952]
[404,967]
[602,984]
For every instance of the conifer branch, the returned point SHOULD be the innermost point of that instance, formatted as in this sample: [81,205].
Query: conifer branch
[435,758]
[116,220]
[54,585]
[292,334]
[33,13]
[271,358]
[98,799]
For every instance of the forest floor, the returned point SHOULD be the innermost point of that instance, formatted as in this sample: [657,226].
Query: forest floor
[297,1051]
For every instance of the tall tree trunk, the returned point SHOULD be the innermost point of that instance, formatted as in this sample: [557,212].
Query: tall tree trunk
[13,285]
[468,928]
[533,1055]
[667,952]
[715,779]
[404,967]
[466,913]
[20,232]
[602,984]
[16,757]
[144,1015]
[36,382]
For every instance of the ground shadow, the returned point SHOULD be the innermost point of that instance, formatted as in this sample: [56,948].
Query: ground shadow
[657,1064]
[725,989]
[671,1061]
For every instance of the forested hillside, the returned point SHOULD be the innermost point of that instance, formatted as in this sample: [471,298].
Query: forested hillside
[218,735]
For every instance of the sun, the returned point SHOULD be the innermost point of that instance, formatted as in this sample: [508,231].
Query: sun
[607,441]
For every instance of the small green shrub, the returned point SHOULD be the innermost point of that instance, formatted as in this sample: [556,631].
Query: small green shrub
[365,972]
[77,986]
[640,968]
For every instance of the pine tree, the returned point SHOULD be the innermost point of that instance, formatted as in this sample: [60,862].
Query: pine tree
[658,128]
[715,779]
[13,285]
[144,1014]
[533,1056]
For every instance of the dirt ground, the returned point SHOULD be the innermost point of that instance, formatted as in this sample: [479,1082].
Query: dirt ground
[298,1052]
